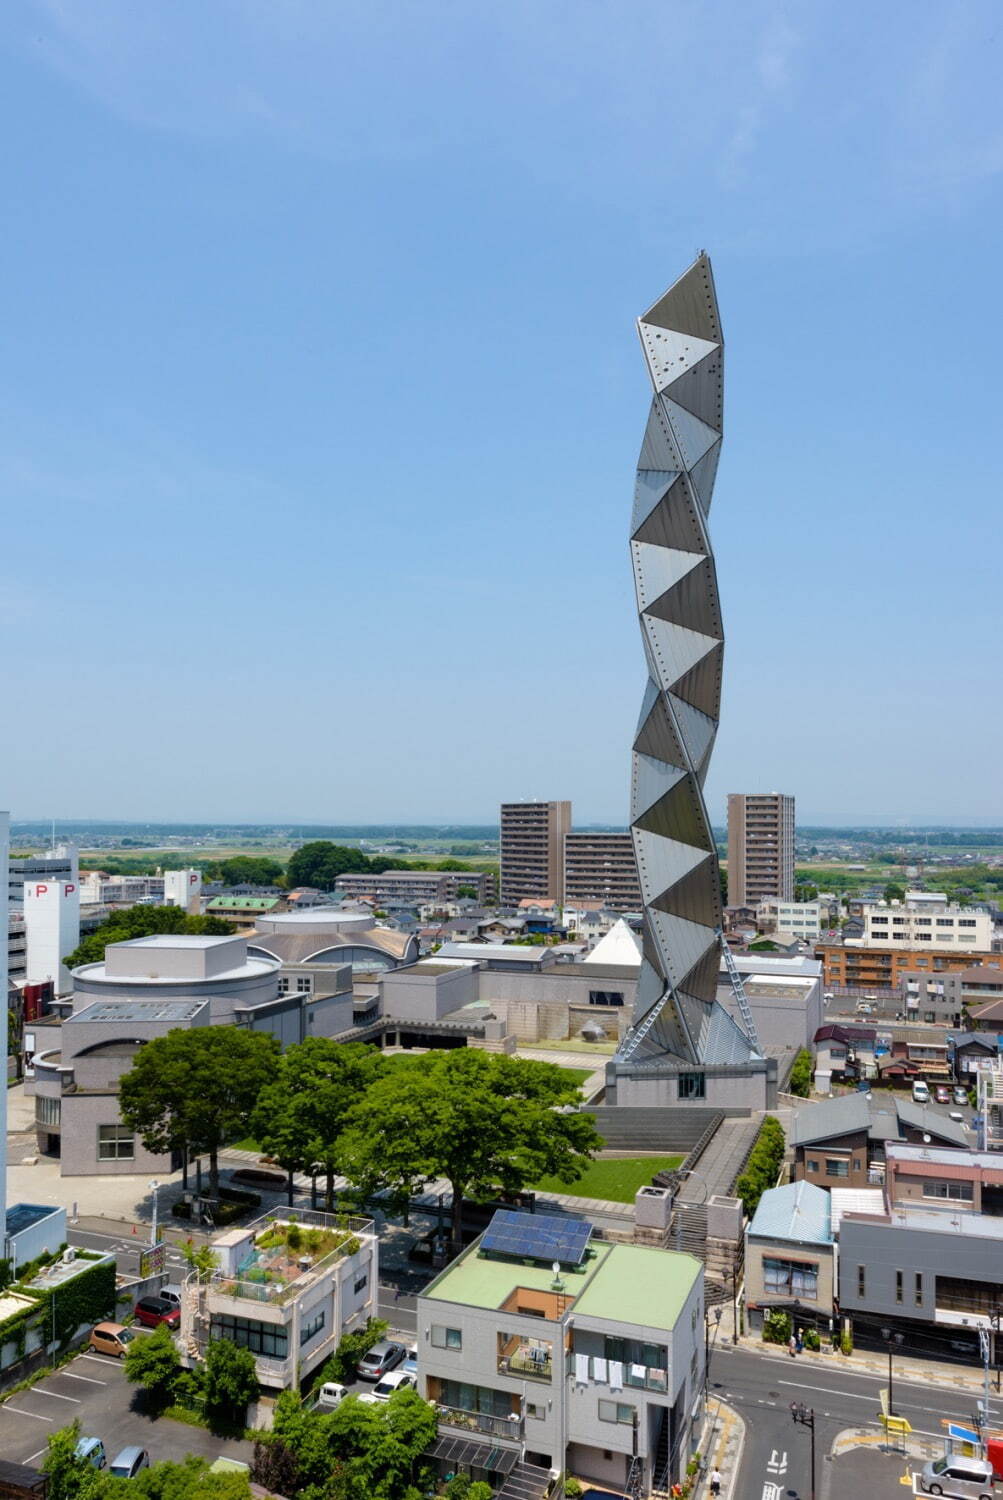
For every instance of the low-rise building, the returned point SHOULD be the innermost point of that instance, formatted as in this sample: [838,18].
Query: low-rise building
[790,1255]
[802,919]
[288,1289]
[587,1367]
[923,923]
[841,1142]
[418,887]
[853,963]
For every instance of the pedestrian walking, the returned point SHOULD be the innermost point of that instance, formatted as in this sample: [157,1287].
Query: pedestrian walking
[714,1481]
[792,1346]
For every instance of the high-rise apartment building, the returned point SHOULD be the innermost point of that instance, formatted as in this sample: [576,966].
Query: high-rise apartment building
[760,847]
[532,850]
[602,868]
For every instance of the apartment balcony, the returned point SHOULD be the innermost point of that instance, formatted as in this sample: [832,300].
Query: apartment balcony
[530,1359]
[503,1429]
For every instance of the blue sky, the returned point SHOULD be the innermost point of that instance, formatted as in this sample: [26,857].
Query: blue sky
[322,400]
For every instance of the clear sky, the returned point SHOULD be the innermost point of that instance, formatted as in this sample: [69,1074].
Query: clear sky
[322,399]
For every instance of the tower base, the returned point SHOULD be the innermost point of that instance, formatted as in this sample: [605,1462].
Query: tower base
[750,1084]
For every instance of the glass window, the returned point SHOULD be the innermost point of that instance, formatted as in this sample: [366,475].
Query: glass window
[790,1278]
[812,1166]
[605,997]
[312,1326]
[898,1286]
[919,1289]
[46,1110]
[303,984]
[957,1192]
[836,1167]
[861,1281]
[692,1086]
[616,1411]
[446,1338]
[115,1143]
[361,1283]
[268,1339]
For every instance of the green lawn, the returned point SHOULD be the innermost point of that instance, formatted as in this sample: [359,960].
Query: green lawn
[616,1179]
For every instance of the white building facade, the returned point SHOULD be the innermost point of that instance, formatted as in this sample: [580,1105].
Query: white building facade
[928,924]
[52,930]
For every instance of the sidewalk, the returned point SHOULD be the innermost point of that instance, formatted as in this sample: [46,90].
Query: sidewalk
[925,1371]
[903,1447]
[721,1448]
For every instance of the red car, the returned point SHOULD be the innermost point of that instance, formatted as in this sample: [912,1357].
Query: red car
[150,1311]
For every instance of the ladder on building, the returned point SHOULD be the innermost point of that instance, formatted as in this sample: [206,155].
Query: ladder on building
[738,990]
[637,1034]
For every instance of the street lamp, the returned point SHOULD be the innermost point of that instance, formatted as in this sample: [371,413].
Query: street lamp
[804,1416]
[154,1187]
[706,1352]
[894,1341]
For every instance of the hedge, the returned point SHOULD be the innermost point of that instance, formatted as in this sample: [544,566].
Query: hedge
[763,1166]
[85,1298]
[234,1204]
[800,1079]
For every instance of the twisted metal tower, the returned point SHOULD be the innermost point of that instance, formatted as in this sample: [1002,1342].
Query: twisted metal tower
[676,1014]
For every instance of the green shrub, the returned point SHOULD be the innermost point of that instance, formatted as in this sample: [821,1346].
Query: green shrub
[777,1327]
[341,1365]
[846,1342]
[812,1340]
[763,1166]
[572,1489]
[800,1080]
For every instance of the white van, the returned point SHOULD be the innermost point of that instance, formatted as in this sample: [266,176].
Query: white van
[957,1477]
[920,1091]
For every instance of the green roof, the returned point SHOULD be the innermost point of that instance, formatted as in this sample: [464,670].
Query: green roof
[641,1285]
[624,1283]
[243,903]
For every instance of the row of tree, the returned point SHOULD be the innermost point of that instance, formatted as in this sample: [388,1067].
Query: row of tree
[485,1122]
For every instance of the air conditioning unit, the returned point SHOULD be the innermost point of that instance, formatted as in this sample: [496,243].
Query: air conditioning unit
[69,1255]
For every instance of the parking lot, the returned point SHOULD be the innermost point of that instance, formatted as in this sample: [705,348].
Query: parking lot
[93,1388]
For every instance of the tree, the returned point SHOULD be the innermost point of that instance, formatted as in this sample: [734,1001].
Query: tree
[351,1347]
[202,1259]
[194,1090]
[142,921]
[231,1380]
[894,892]
[320,863]
[303,1111]
[481,1120]
[800,1079]
[70,1478]
[250,869]
[154,1363]
[466,893]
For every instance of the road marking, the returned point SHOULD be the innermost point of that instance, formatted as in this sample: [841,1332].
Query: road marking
[98,1359]
[89,1378]
[41,1391]
[31,1460]
[22,1413]
[935,1411]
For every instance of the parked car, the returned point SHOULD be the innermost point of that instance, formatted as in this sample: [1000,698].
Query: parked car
[411,1361]
[128,1463]
[960,1095]
[920,1091]
[171,1293]
[957,1116]
[91,1450]
[111,1338]
[384,1356]
[330,1395]
[954,1475]
[942,1094]
[397,1380]
[152,1311]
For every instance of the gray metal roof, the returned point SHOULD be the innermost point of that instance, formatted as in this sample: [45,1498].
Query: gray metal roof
[883,1121]
[800,1211]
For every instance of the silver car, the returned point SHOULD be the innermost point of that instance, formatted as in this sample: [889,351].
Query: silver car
[384,1356]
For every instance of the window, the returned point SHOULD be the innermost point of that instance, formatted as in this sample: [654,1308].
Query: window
[303,984]
[283,985]
[967,922]
[446,1338]
[812,1166]
[361,1283]
[312,1326]
[268,1339]
[46,1110]
[919,1289]
[115,1143]
[836,1166]
[945,921]
[956,1192]
[861,1281]
[534,1410]
[790,1278]
[692,1086]
[898,1286]
[605,997]
[616,1411]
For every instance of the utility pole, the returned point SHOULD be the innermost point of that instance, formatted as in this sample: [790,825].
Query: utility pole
[804,1416]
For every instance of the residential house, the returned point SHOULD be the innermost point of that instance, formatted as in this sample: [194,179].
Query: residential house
[841,1142]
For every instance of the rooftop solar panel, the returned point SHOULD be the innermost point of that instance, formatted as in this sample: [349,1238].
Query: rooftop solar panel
[543,1237]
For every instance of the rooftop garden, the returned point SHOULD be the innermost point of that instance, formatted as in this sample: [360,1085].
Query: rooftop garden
[287,1250]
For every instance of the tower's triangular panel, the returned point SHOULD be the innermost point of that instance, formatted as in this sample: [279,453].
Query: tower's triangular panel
[651,486]
[670,355]
[675,521]
[702,477]
[693,437]
[691,599]
[699,389]
[659,569]
[701,686]
[690,305]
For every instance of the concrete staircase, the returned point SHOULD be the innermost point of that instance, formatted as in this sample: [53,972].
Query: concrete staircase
[722,1161]
[668,1130]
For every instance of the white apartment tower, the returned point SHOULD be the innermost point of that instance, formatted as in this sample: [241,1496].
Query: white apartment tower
[52,930]
[760,847]
[183,888]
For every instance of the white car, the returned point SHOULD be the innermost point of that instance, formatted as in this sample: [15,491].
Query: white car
[397,1380]
[331,1395]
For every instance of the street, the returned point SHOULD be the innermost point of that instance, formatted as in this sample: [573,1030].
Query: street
[777,1451]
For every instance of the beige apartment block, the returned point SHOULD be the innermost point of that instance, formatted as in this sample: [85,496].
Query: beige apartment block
[760,847]
[533,835]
